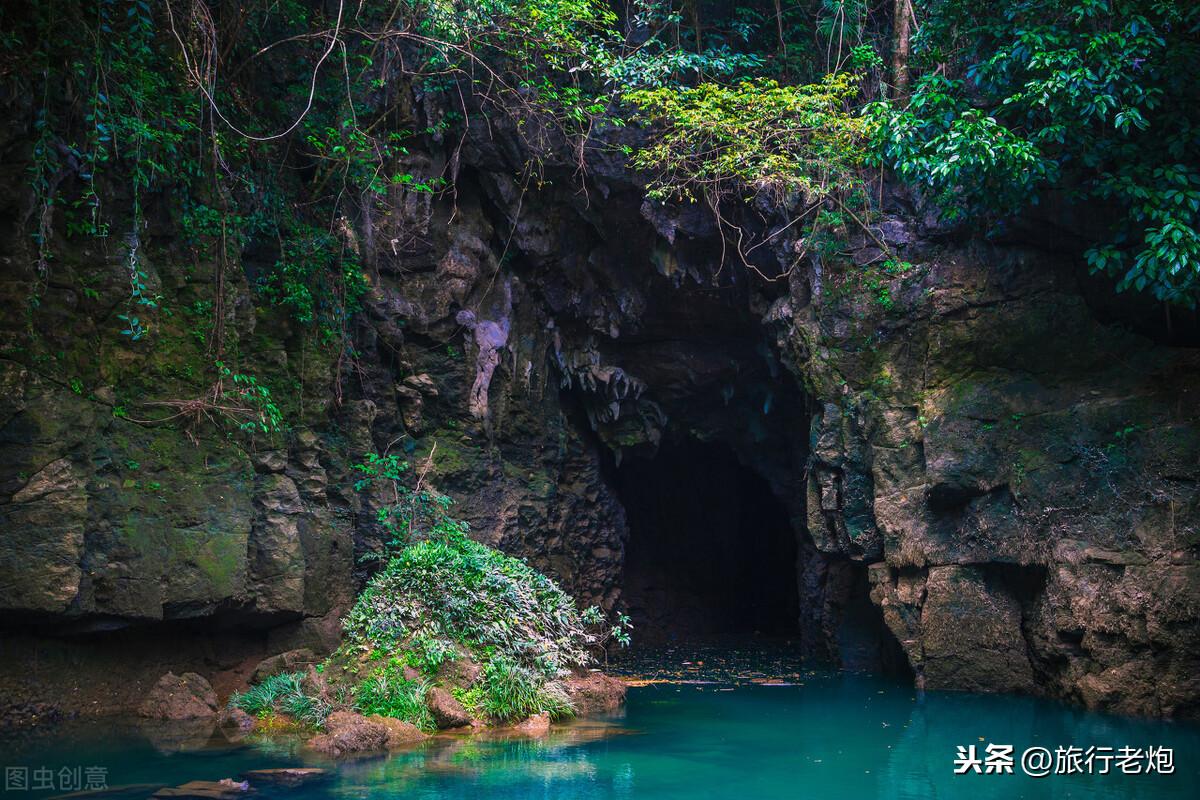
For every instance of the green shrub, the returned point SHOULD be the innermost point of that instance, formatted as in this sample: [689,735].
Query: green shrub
[428,653]
[511,692]
[442,596]
[462,591]
[283,693]
[388,693]
[263,696]
[755,138]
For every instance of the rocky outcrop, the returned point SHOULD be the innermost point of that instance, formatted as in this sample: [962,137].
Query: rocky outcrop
[1022,478]
[594,692]
[400,733]
[286,776]
[298,660]
[348,734]
[1010,478]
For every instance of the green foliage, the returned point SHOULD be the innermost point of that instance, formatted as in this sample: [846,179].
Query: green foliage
[460,591]
[437,596]
[139,297]
[1096,97]
[442,596]
[282,693]
[315,279]
[388,693]
[755,138]
[618,632]
[407,513]
[510,692]
[428,653]
[244,400]
[970,163]
[125,115]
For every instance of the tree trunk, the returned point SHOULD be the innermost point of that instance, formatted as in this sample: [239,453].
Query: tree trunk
[779,26]
[901,40]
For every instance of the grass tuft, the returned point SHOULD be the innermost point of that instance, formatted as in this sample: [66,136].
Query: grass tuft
[282,693]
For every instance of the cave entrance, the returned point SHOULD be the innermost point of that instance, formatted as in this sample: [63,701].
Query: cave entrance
[711,552]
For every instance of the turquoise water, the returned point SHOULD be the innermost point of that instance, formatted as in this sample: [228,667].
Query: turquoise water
[815,736]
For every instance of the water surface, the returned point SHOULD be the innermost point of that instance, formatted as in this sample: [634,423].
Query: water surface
[808,735]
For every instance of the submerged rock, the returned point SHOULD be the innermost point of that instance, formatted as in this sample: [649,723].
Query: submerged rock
[187,696]
[178,735]
[127,791]
[235,719]
[286,776]
[224,789]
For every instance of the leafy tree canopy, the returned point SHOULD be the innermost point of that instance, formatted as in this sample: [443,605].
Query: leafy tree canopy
[279,120]
[1093,98]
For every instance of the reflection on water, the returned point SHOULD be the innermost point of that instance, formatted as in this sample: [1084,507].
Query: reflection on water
[816,736]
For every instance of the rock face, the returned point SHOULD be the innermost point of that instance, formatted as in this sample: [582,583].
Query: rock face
[1021,478]
[180,697]
[971,634]
[992,466]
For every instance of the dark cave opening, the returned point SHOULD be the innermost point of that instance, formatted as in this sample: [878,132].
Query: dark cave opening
[711,551]
[714,558]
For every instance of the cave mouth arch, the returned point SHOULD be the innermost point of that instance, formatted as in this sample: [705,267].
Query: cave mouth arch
[715,558]
[712,553]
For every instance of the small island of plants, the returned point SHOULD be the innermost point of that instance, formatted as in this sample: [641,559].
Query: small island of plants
[448,634]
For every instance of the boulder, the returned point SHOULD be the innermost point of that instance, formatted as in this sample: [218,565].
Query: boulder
[186,696]
[347,733]
[447,712]
[291,661]
[592,692]
[400,733]
[461,672]
[234,719]
[315,684]
[536,726]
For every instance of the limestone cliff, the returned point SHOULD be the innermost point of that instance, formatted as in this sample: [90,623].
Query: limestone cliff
[1016,479]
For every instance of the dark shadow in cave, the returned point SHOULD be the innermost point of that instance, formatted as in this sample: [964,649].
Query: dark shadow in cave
[859,641]
[711,550]
[713,558]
